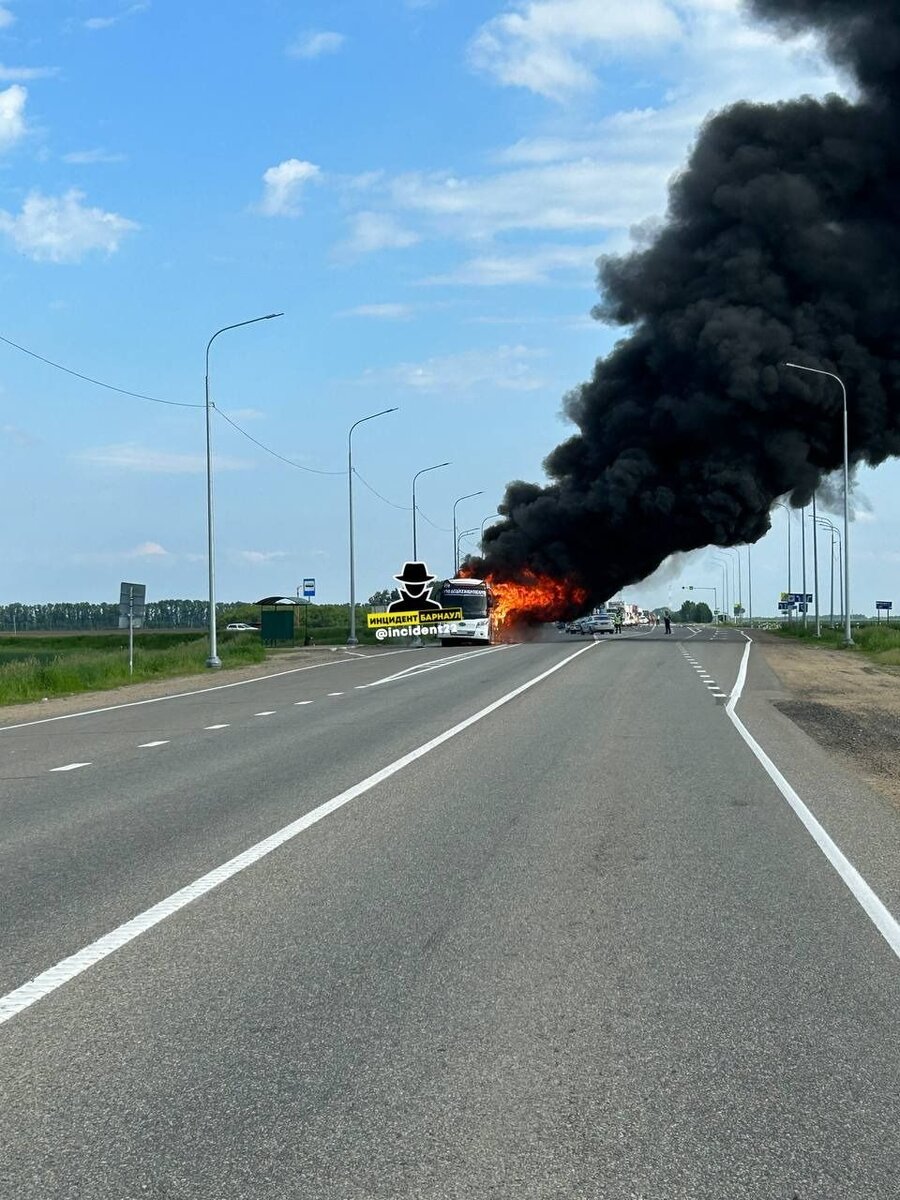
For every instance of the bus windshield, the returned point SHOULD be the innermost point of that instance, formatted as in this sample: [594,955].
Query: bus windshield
[471,598]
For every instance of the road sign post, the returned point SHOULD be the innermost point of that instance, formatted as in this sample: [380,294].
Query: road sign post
[883,606]
[309,590]
[132,609]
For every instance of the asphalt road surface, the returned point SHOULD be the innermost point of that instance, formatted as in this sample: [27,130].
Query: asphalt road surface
[535,921]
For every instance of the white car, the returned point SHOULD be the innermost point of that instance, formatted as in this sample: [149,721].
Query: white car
[241,627]
[601,623]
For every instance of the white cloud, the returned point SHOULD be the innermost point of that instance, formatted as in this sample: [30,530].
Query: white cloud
[95,23]
[531,266]
[12,115]
[315,43]
[25,74]
[381,312]
[60,229]
[148,550]
[552,46]
[7,18]
[130,456]
[17,435]
[82,158]
[246,414]
[372,231]
[508,368]
[574,195]
[283,186]
[610,176]
[260,557]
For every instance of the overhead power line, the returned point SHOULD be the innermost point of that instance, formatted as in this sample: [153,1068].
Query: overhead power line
[384,499]
[268,449]
[400,507]
[110,387]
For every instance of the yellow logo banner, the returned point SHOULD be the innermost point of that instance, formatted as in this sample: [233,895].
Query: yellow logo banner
[396,620]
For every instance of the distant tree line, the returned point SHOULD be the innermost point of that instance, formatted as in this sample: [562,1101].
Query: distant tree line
[83,615]
[694,614]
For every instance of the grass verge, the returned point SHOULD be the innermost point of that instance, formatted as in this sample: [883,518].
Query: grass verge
[59,671]
[880,643]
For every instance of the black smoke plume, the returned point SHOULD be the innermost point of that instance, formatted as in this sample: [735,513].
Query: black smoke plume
[782,242]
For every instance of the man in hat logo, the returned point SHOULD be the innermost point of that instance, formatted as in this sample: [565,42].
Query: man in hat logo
[415,590]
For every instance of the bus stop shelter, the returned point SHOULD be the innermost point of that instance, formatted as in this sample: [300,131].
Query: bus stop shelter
[277,623]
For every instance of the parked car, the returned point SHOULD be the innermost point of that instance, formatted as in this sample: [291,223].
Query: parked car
[241,627]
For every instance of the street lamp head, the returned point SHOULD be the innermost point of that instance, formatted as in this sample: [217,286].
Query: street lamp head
[270,316]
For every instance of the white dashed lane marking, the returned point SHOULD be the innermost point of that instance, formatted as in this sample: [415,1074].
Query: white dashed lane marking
[70,767]
[704,676]
[215,726]
[335,693]
[269,712]
[147,745]
[299,702]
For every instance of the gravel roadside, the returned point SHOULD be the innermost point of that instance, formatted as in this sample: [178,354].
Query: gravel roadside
[840,699]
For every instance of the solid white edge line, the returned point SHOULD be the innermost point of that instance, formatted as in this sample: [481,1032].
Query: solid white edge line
[875,909]
[218,687]
[67,969]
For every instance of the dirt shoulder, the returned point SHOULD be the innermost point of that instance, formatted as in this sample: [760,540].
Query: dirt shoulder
[59,706]
[849,706]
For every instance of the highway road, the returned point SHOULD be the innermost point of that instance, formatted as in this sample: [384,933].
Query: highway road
[536,921]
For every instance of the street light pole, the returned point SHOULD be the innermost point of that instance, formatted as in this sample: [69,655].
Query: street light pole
[352,639]
[803,558]
[749,586]
[834,534]
[468,496]
[740,579]
[213,659]
[848,637]
[724,569]
[465,533]
[492,517]
[789,587]
[424,471]
[815,533]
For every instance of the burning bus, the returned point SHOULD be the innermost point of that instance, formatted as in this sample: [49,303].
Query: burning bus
[497,610]
[476,599]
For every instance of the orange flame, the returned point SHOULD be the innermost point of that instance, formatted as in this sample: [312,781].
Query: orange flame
[534,597]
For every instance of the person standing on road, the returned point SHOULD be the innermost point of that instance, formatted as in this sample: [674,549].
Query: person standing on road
[668,621]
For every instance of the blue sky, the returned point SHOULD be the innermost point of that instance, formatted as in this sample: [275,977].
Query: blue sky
[423,189]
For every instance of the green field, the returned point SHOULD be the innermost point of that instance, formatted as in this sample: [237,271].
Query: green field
[34,667]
